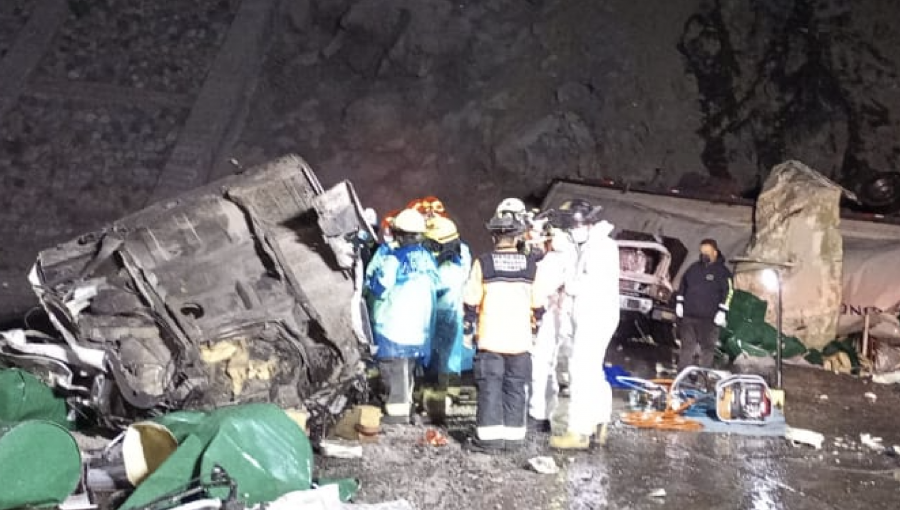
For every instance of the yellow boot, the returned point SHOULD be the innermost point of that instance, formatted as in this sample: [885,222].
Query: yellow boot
[570,441]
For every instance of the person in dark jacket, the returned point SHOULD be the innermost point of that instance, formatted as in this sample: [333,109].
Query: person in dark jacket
[702,305]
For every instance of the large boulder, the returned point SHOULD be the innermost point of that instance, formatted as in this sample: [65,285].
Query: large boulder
[797,222]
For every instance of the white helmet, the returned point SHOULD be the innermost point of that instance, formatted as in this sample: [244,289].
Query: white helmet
[512,206]
[410,221]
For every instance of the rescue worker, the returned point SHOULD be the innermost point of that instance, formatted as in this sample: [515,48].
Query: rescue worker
[516,208]
[592,297]
[387,236]
[454,260]
[500,305]
[701,304]
[551,333]
[403,286]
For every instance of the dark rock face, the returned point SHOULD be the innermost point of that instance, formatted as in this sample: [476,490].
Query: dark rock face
[804,79]
[487,99]
[469,100]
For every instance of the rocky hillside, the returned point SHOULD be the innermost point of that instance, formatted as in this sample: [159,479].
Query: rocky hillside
[107,105]
[474,100]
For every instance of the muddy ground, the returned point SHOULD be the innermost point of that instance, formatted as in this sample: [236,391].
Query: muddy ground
[696,470]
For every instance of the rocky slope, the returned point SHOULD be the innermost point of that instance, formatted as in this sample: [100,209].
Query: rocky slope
[469,100]
[476,100]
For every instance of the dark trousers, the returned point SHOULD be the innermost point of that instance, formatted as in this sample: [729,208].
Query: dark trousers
[699,336]
[502,381]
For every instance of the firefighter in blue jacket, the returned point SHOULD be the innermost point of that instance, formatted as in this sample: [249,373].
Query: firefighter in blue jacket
[403,285]
[702,305]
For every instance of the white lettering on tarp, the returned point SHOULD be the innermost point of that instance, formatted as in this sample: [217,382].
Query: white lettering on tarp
[851,309]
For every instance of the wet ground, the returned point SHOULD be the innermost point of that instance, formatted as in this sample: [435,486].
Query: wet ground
[696,470]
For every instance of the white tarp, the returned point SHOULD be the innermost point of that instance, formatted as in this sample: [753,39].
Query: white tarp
[871,274]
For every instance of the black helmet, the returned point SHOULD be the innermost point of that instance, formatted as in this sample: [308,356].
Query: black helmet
[576,212]
[506,223]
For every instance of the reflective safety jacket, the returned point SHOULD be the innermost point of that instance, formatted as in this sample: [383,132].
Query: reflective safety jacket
[448,335]
[501,287]
[402,284]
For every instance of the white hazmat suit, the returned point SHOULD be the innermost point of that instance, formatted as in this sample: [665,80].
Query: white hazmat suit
[592,296]
[555,328]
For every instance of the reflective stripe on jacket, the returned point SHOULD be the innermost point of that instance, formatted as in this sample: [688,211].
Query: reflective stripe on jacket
[501,286]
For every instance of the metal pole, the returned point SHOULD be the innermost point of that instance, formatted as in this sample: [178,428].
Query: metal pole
[778,339]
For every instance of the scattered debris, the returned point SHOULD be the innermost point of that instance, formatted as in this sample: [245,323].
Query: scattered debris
[872,442]
[360,423]
[804,436]
[433,437]
[871,397]
[544,465]
[213,298]
[887,378]
[658,493]
[340,449]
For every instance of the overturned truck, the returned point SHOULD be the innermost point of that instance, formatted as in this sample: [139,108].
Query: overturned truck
[245,290]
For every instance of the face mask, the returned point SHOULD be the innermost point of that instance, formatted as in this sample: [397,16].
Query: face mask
[704,258]
[579,235]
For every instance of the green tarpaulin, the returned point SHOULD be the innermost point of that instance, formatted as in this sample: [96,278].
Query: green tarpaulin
[24,397]
[748,332]
[40,464]
[262,449]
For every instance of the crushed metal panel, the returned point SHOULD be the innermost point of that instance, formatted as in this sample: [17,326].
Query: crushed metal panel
[228,294]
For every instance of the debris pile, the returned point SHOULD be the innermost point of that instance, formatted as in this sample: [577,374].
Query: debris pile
[240,297]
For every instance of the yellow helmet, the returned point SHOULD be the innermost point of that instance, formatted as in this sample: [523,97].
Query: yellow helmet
[441,230]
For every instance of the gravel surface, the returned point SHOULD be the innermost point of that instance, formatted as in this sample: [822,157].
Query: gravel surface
[165,46]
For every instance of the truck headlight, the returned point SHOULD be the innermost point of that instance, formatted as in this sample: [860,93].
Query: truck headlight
[662,293]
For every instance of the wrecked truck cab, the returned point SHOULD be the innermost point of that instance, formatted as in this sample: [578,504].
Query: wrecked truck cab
[647,265]
[244,290]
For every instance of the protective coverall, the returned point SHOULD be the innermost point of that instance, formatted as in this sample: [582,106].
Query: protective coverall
[501,289]
[592,298]
[554,330]
[449,353]
[402,284]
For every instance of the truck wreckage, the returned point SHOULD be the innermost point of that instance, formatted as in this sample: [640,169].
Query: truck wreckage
[245,290]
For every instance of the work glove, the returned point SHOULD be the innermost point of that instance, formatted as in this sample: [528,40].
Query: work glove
[537,318]
[720,319]
[679,310]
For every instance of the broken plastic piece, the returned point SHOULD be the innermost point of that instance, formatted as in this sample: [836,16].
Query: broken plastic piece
[544,465]
[658,493]
[434,438]
[872,442]
[804,436]
[340,449]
